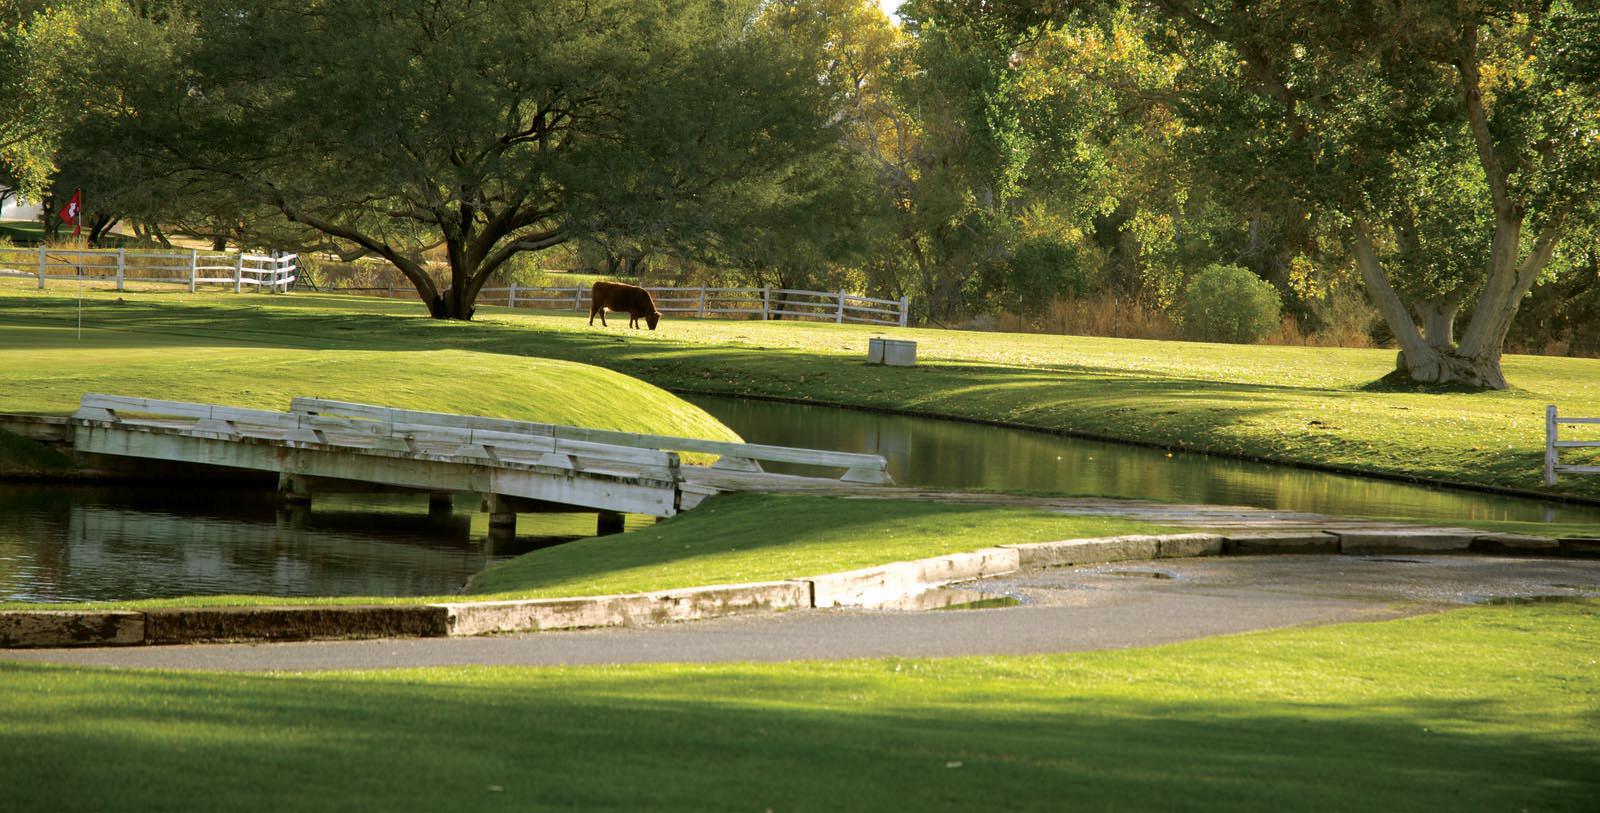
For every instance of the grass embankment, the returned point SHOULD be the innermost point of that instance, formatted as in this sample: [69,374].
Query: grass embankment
[757,537]
[1385,716]
[47,370]
[1303,405]
[732,538]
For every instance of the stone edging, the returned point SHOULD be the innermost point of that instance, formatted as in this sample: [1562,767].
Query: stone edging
[868,587]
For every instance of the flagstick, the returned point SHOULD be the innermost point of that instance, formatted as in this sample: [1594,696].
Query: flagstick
[82,244]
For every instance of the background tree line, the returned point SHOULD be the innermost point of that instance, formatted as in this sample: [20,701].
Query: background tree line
[1421,172]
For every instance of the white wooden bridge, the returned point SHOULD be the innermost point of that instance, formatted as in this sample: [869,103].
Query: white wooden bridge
[516,465]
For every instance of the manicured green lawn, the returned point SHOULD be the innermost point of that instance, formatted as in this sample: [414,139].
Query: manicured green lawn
[1483,709]
[1308,405]
[21,231]
[762,537]
[47,369]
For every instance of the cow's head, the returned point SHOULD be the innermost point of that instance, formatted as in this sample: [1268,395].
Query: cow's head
[652,319]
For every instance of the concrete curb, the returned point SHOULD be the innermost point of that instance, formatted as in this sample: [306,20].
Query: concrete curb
[885,583]
[868,587]
[1118,549]
[59,628]
[185,625]
[534,615]
[1406,540]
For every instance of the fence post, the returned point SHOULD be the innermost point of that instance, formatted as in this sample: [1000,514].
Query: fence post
[238,271]
[1550,445]
[840,318]
[905,309]
[41,267]
[122,266]
[700,311]
[511,298]
[766,303]
[577,298]
[194,268]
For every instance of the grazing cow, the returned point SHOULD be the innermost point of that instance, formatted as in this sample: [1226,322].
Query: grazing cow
[617,296]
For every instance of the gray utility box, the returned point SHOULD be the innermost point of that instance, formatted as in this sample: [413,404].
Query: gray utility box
[893,352]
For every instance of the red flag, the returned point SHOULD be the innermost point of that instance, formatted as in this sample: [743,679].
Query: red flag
[73,212]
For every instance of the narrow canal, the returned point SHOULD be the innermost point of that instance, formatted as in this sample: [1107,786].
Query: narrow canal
[98,543]
[952,454]
[70,543]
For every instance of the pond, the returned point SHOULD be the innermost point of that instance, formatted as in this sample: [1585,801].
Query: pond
[65,543]
[952,454]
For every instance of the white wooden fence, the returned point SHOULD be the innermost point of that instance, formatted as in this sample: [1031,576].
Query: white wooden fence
[1553,444]
[272,273]
[701,301]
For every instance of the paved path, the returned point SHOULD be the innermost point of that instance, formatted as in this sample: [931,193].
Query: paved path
[1062,610]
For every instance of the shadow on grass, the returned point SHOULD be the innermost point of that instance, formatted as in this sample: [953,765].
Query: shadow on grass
[868,737]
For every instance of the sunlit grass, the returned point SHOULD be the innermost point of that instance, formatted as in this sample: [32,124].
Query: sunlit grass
[1482,709]
[761,537]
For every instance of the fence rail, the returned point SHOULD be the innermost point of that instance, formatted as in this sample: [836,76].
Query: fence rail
[1553,444]
[701,301]
[274,273]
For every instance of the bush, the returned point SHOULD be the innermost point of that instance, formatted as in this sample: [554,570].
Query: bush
[1226,303]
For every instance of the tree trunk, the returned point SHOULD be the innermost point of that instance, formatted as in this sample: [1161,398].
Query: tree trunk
[1431,359]
[1429,355]
[1437,317]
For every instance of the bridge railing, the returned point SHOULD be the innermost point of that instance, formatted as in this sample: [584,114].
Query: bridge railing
[859,468]
[474,443]
[1553,444]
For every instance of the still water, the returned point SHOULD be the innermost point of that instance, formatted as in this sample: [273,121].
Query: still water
[81,543]
[951,454]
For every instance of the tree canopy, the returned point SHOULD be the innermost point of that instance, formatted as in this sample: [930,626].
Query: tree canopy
[489,127]
[1439,158]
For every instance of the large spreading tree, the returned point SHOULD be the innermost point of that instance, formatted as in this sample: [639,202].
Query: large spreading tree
[1451,146]
[483,128]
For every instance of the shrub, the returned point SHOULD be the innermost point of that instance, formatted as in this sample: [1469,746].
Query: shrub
[1226,303]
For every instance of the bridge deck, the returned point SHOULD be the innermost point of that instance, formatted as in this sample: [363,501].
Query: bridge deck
[433,452]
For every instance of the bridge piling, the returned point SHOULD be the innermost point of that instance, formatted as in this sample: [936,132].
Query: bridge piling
[607,523]
[501,514]
[440,505]
[293,490]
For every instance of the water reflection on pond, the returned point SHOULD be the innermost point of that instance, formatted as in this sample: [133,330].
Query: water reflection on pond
[951,454]
[76,543]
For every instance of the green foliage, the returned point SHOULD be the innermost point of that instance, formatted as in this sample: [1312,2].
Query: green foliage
[1039,270]
[485,129]
[1227,303]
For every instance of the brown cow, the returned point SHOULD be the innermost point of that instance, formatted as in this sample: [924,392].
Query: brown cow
[617,296]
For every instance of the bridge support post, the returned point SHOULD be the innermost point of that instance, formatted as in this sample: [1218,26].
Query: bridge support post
[292,490]
[500,514]
[608,523]
[440,505]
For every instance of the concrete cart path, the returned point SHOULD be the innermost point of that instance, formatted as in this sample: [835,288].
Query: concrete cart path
[1125,604]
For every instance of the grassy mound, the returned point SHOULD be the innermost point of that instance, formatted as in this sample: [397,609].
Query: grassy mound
[763,537]
[48,371]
